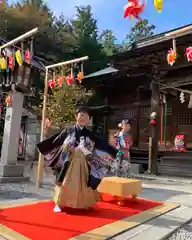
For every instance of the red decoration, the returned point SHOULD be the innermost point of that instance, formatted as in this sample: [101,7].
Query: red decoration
[153,122]
[51,83]
[80,76]
[47,123]
[133,9]
[179,143]
[188,53]
[171,57]
[60,81]
[8,99]
[10,63]
[69,80]
[28,56]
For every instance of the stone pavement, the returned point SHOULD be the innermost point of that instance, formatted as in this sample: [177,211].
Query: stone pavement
[179,192]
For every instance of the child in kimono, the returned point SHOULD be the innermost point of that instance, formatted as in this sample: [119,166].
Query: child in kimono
[80,159]
[123,142]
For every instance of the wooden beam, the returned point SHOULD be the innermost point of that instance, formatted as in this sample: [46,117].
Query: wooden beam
[20,38]
[185,81]
[155,92]
[180,32]
[67,62]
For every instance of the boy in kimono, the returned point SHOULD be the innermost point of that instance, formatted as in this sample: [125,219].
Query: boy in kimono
[80,159]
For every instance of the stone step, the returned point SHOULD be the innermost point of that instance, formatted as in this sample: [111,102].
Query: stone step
[159,228]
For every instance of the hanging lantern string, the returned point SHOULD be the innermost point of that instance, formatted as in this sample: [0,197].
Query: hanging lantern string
[174,45]
[22,50]
[31,45]
[82,69]
[72,70]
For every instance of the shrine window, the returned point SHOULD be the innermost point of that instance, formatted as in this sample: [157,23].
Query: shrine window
[169,111]
[145,112]
[185,118]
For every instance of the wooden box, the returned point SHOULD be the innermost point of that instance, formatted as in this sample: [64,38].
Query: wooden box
[122,187]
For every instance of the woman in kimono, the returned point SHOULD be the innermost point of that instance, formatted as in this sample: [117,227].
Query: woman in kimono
[123,142]
[80,160]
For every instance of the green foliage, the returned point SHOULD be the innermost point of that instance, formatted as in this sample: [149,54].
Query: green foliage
[62,104]
[86,35]
[107,40]
[139,31]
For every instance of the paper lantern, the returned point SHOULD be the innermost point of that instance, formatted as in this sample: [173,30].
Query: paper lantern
[28,56]
[158,4]
[47,123]
[69,80]
[19,57]
[80,76]
[188,53]
[60,81]
[51,83]
[10,63]
[2,63]
[171,57]
[8,99]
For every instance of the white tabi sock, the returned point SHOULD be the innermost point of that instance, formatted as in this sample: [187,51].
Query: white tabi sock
[57,209]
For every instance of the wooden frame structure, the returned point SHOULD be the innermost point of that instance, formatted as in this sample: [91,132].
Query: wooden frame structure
[47,68]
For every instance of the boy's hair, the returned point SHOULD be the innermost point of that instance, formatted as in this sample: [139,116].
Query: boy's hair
[82,110]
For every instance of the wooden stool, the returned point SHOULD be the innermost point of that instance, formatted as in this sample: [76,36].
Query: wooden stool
[120,188]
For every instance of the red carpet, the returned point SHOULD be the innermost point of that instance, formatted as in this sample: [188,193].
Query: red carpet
[38,221]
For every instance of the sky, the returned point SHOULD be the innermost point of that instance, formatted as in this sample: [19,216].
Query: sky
[109,14]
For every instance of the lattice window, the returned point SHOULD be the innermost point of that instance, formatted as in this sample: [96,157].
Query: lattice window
[145,112]
[169,111]
[129,114]
[185,118]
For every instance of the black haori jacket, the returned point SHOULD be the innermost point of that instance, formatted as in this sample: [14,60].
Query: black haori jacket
[52,150]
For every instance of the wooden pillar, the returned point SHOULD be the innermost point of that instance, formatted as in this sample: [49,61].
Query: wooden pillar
[105,121]
[138,117]
[155,91]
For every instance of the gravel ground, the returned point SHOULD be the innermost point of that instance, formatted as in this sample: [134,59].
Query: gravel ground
[184,233]
[14,191]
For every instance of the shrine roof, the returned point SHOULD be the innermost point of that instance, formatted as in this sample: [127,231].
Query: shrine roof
[102,72]
[157,42]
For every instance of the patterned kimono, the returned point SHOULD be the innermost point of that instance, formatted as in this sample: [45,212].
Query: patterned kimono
[122,167]
[80,160]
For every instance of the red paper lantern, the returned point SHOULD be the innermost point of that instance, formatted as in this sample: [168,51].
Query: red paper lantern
[60,81]
[8,100]
[153,122]
[28,56]
[80,77]
[69,80]
[188,53]
[47,123]
[51,83]
[171,57]
[10,63]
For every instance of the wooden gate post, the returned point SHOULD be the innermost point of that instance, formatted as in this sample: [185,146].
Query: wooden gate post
[155,91]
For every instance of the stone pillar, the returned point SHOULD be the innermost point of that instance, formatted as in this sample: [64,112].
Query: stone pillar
[9,169]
